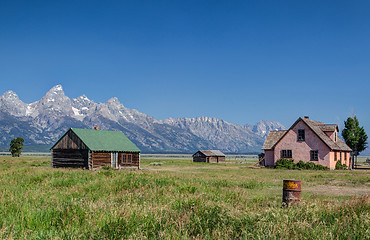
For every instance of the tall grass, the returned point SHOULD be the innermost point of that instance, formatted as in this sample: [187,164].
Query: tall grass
[175,201]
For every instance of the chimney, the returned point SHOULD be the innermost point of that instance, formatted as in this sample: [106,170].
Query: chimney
[306,117]
[96,128]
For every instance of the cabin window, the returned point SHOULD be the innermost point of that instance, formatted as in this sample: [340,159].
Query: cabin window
[301,135]
[126,158]
[314,155]
[286,153]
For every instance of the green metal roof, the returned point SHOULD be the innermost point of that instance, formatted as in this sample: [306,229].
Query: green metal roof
[111,141]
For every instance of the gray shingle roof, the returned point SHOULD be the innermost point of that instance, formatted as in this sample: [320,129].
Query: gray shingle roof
[272,138]
[212,153]
[329,127]
[318,128]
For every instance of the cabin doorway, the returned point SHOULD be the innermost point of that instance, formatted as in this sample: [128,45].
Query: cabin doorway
[114,159]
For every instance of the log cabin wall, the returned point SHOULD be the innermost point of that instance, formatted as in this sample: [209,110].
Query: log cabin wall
[199,159]
[212,159]
[221,159]
[73,158]
[100,159]
[135,159]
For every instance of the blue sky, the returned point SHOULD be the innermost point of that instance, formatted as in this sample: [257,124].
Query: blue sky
[241,61]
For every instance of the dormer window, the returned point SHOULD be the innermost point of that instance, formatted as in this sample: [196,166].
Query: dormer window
[335,137]
[301,135]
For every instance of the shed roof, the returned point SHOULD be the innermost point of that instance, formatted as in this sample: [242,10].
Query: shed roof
[272,138]
[318,128]
[111,141]
[212,153]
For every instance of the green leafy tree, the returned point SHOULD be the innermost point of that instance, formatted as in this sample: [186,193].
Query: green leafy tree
[355,137]
[16,146]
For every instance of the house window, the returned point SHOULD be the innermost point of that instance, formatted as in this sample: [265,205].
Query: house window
[301,135]
[314,155]
[286,153]
[335,137]
[335,156]
[345,156]
[340,156]
[127,158]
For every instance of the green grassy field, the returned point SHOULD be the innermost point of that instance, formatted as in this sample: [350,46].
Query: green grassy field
[178,200]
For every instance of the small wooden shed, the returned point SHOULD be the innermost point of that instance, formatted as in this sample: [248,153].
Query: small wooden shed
[90,149]
[209,156]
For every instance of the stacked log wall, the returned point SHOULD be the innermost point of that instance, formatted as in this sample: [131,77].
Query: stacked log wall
[73,158]
[199,159]
[221,159]
[212,159]
[100,159]
[135,161]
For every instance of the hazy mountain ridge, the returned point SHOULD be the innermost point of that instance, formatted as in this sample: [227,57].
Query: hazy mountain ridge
[263,127]
[44,121]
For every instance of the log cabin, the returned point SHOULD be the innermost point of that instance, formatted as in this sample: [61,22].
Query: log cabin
[92,149]
[209,156]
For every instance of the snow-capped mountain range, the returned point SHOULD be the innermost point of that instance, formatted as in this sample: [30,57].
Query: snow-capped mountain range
[44,121]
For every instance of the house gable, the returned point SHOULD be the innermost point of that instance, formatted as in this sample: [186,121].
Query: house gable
[199,154]
[301,149]
[69,141]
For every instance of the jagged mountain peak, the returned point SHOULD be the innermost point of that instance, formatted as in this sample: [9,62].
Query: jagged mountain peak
[196,119]
[82,98]
[114,101]
[54,102]
[10,95]
[57,88]
[263,127]
[55,91]
[11,104]
[82,101]
[206,119]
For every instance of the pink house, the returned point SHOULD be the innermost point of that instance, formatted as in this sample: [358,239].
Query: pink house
[309,141]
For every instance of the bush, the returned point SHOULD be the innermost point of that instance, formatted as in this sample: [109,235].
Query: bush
[340,166]
[284,163]
[155,164]
[301,164]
